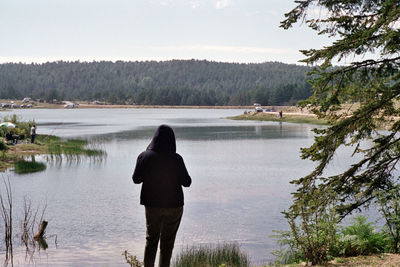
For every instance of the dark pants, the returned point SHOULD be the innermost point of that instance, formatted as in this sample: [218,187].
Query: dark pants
[33,138]
[162,224]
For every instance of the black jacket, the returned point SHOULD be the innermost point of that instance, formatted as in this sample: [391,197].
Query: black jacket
[162,172]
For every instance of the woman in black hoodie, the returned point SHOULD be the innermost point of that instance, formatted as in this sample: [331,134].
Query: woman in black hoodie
[163,173]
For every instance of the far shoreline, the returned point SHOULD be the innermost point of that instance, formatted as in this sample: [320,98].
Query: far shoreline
[89,105]
[85,105]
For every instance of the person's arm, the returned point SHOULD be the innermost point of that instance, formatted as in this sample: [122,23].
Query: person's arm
[186,181]
[137,176]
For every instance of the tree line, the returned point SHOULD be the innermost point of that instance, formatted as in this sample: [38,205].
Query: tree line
[175,82]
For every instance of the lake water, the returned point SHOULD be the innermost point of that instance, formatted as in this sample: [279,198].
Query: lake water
[240,171]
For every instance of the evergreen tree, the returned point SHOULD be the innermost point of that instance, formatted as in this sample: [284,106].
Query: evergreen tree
[358,98]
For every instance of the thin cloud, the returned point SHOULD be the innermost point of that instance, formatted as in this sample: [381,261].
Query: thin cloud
[221,53]
[227,49]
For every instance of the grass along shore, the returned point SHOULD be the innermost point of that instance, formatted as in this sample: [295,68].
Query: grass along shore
[53,146]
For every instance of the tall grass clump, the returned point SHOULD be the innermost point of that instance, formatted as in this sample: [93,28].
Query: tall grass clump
[23,166]
[220,255]
[72,148]
[28,224]
[6,211]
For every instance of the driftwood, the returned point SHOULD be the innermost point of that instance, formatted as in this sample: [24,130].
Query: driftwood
[40,232]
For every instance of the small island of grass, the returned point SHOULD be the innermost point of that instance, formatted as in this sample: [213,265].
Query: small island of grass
[287,117]
[14,153]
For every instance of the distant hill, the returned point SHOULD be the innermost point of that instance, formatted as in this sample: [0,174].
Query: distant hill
[175,82]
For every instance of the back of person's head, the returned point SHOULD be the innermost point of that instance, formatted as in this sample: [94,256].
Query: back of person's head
[163,140]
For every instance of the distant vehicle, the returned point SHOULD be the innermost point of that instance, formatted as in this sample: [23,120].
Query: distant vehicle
[13,105]
[26,106]
[258,109]
[69,104]
[5,105]
[26,100]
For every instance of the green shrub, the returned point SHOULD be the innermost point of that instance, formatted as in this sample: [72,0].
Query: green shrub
[389,206]
[361,238]
[313,226]
[288,252]
[3,146]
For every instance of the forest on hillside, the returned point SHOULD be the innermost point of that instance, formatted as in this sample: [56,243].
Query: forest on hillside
[175,82]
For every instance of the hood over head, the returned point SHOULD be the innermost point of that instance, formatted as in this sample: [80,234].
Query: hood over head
[163,140]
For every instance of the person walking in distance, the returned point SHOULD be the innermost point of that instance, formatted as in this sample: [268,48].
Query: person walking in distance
[162,173]
[33,133]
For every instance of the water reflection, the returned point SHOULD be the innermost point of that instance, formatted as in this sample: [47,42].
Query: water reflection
[73,160]
[276,131]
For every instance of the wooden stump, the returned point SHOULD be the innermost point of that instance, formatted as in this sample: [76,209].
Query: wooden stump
[40,232]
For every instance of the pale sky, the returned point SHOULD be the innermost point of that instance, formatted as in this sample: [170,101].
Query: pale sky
[136,30]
